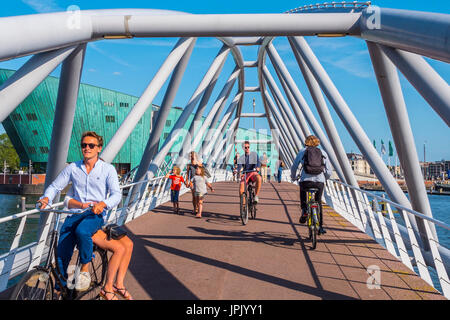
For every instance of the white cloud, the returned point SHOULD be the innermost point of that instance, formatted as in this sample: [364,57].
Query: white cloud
[43,6]
[356,63]
[110,56]
[117,73]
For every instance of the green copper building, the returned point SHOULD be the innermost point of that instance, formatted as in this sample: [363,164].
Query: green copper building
[98,109]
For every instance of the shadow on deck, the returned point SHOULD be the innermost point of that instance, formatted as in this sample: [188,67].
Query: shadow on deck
[216,257]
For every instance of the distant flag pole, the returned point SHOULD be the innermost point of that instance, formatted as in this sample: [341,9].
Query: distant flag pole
[391,152]
[383,148]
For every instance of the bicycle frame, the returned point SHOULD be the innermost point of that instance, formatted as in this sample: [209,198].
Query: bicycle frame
[245,179]
[311,203]
[312,207]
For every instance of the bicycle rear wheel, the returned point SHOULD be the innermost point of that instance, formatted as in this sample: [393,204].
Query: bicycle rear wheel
[244,208]
[36,284]
[252,205]
[313,227]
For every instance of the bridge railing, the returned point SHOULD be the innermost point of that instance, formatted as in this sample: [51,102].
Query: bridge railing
[25,252]
[388,223]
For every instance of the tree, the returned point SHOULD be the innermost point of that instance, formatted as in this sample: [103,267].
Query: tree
[8,153]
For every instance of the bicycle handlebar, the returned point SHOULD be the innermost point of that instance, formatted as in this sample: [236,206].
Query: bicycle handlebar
[62,211]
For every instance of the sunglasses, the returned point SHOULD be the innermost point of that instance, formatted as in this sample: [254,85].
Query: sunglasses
[246,147]
[91,145]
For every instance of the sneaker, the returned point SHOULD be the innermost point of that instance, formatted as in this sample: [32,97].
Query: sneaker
[322,230]
[256,199]
[303,217]
[83,281]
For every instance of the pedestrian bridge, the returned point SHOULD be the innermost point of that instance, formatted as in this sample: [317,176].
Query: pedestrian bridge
[362,256]
[364,249]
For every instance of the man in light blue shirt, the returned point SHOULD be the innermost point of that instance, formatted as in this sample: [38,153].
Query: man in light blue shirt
[308,180]
[93,181]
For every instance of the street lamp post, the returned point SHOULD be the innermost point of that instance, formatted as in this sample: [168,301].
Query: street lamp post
[29,171]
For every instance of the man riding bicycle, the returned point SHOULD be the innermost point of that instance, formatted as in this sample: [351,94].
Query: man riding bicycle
[249,161]
[316,168]
[93,181]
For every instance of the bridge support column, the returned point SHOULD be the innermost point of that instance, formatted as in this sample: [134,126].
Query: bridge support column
[395,107]
[196,121]
[178,127]
[18,86]
[296,132]
[218,148]
[278,64]
[280,137]
[325,116]
[280,124]
[292,125]
[211,120]
[220,131]
[424,78]
[145,101]
[66,103]
[153,141]
[296,101]
[276,138]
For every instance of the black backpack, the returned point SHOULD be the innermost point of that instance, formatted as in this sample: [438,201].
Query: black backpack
[313,161]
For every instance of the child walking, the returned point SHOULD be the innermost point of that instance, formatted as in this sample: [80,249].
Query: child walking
[177,180]
[198,185]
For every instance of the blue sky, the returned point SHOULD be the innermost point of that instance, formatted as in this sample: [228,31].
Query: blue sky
[129,65]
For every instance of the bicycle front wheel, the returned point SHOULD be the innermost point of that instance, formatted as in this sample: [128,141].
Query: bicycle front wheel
[35,285]
[244,208]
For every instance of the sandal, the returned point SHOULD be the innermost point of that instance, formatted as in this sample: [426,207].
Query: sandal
[126,295]
[104,294]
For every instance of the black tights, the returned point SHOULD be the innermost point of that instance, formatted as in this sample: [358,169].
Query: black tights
[304,185]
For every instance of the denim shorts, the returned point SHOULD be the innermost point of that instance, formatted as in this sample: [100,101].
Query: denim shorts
[199,194]
[174,195]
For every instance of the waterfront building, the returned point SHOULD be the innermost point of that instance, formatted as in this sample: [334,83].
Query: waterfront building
[359,164]
[102,110]
[438,169]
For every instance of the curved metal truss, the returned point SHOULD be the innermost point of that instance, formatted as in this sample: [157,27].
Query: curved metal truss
[396,40]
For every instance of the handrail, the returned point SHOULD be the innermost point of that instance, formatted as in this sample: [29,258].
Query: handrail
[26,213]
[399,206]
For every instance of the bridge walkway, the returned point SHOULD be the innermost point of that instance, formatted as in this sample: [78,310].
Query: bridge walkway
[216,257]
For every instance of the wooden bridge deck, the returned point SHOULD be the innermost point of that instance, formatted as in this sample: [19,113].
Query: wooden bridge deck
[216,257]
